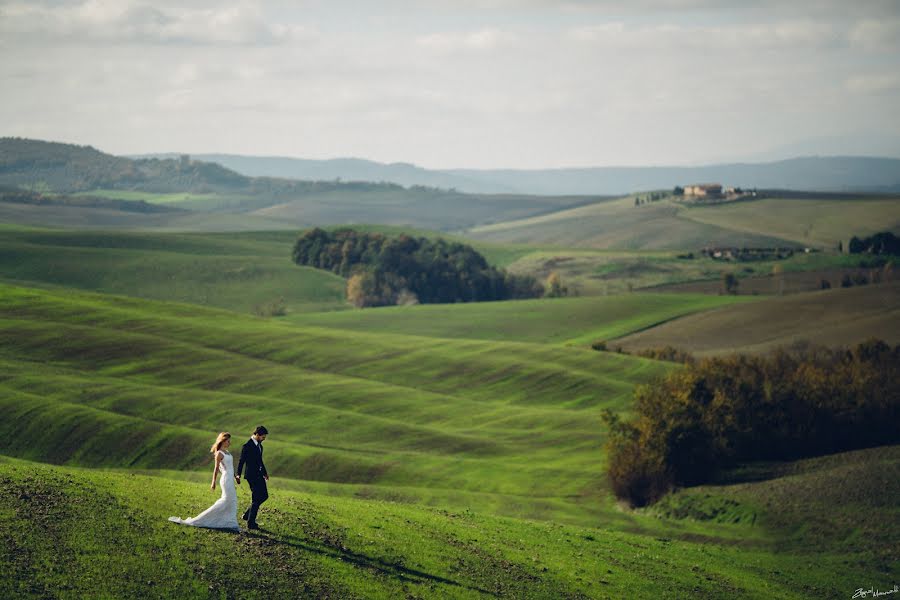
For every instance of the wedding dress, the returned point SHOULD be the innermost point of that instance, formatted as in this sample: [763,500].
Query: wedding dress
[222,514]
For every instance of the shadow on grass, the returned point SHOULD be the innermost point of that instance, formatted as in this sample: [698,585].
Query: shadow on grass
[361,560]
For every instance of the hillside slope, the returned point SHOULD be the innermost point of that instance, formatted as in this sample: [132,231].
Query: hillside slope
[818,222]
[830,317]
[620,224]
[239,271]
[510,427]
[64,530]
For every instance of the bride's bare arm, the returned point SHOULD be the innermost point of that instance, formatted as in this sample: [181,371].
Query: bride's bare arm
[216,470]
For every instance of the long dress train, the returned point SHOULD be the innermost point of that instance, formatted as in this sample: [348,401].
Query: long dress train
[222,514]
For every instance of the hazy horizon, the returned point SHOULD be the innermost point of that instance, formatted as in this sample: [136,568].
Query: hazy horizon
[484,84]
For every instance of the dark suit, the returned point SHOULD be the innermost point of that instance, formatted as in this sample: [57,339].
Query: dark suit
[251,456]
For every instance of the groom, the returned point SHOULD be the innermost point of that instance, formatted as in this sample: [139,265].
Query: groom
[257,476]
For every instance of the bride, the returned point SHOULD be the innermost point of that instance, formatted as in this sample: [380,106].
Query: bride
[222,514]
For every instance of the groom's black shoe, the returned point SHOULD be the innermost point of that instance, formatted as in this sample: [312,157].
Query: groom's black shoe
[252,526]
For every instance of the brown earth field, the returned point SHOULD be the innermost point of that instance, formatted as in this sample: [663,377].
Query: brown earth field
[835,317]
[793,282]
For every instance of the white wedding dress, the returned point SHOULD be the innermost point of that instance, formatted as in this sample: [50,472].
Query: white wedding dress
[222,514]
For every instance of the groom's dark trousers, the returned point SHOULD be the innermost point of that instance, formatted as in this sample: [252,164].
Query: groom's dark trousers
[251,456]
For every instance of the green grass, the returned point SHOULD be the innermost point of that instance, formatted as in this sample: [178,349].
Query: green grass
[74,532]
[88,218]
[150,197]
[574,321]
[831,317]
[492,419]
[402,465]
[813,222]
[234,271]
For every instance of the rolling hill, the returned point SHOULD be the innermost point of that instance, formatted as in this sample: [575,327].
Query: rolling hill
[214,192]
[402,462]
[819,222]
[820,173]
[238,271]
[829,317]
[811,220]
[440,451]
[622,225]
[571,321]
[325,547]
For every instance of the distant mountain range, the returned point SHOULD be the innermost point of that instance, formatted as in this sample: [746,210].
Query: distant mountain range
[827,174]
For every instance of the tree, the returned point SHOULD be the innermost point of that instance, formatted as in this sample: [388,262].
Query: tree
[554,287]
[729,283]
[778,274]
[357,287]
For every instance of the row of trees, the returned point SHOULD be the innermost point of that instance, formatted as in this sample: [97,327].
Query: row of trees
[383,270]
[880,243]
[716,413]
[19,196]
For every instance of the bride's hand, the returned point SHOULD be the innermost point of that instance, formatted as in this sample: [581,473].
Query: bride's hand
[213,486]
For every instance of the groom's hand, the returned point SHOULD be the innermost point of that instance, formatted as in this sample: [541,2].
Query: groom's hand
[266,477]
[237,479]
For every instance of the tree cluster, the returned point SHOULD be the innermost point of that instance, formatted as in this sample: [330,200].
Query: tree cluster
[385,270]
[880,243]
[19,196]
[720,412]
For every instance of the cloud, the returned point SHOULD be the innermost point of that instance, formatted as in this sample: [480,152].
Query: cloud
[876,35]
[482,40]
[767,36]
[874,84]
[131,21]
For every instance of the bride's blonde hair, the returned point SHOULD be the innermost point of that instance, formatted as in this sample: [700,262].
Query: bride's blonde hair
[219,441]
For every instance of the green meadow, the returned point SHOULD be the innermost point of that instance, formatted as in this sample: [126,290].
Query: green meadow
[238,271]
[415,465]
[572,321]
[434,451]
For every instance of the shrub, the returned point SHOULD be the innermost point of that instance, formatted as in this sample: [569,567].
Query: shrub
[718,412]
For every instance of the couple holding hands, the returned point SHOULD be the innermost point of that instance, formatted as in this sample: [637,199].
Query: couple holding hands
[223,514]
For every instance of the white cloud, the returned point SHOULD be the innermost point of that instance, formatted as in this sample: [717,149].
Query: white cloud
[876,35]
[874,84]
[748,37]
[482,40]
[130,21]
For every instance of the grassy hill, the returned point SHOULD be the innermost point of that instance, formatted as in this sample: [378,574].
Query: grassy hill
[558,321]
[213,191]
[402,465]
[446,416]
[620,224]
[830,317]
[238,271]
[65,529]
[818,222]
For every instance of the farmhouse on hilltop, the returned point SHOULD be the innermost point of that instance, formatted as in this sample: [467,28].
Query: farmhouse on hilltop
[707,190]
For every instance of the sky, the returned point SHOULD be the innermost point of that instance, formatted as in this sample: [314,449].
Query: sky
[457,83]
